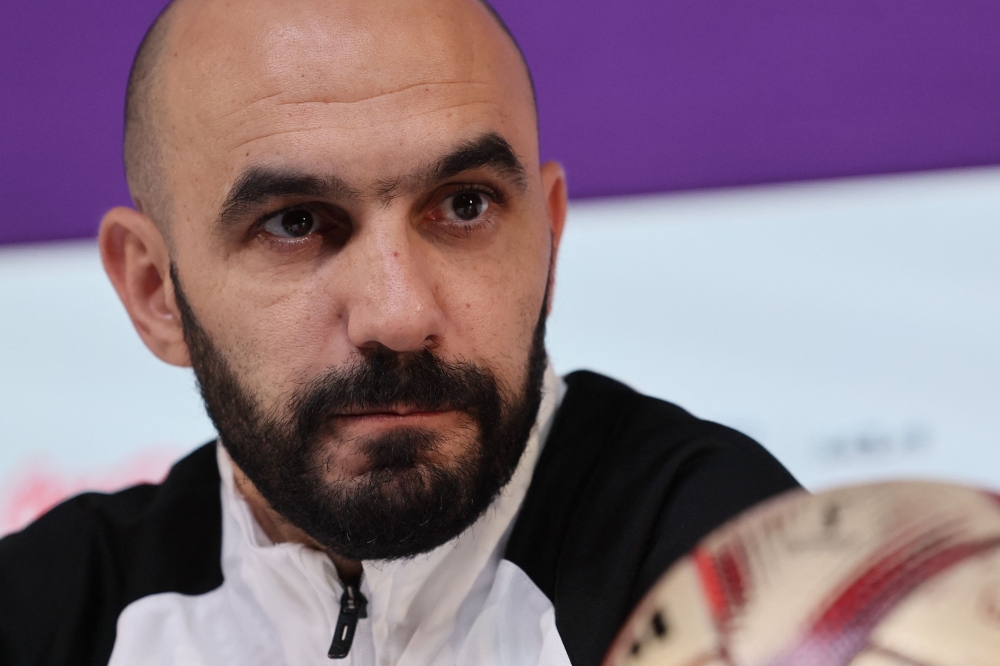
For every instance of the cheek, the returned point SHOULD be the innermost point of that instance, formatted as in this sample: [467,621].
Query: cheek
[492,310]
[278,333]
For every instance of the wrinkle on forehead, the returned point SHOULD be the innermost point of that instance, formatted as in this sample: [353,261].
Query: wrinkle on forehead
[427,85]
[289,98]
[249,132]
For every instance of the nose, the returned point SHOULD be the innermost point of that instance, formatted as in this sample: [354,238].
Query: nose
[394,303]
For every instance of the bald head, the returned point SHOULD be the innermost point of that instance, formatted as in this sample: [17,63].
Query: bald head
[141,149]
[144,136]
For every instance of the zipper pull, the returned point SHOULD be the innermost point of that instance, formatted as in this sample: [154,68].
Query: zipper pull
[353,606]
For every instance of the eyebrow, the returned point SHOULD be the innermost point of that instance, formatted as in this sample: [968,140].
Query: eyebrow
[488,151]
[258,184]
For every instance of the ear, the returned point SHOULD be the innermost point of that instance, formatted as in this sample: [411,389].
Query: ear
[556,203]
[137,260]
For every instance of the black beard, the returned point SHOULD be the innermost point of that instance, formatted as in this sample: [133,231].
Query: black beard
[406,504]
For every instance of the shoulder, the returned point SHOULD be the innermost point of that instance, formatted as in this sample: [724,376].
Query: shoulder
[625,485]
[66,577]
[626,446]
[632,424]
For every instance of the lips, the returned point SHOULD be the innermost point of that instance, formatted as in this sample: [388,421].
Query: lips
[396,411]
[387,415]
[398,414]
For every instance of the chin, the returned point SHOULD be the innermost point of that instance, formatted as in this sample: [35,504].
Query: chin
[397,453]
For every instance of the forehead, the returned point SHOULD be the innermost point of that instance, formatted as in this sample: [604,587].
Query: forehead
[354,86]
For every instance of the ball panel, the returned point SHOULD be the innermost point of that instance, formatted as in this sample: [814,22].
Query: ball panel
[952,620]
[814,580]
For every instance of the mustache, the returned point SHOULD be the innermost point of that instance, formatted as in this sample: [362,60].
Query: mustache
[384,380]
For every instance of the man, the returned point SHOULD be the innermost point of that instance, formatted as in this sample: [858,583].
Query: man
[342,224]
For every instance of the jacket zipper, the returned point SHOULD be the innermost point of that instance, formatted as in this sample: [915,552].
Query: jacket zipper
[353,606]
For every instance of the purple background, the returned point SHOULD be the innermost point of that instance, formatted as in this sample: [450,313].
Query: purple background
[635,95]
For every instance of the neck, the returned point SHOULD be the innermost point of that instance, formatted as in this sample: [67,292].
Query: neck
[279,530]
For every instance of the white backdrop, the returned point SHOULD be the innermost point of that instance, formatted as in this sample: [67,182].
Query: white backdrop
[853,327]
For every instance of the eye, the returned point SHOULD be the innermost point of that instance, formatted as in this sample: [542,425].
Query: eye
[464,206]
[294,223]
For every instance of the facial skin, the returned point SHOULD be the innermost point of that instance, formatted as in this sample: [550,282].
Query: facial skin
[377,124]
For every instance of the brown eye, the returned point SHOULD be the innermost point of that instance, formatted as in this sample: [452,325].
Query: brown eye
[294,223]
[467,206]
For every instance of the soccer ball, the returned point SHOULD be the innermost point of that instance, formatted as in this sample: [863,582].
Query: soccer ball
[889,574]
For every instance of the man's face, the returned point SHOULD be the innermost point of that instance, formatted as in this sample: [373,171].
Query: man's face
[357,215]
